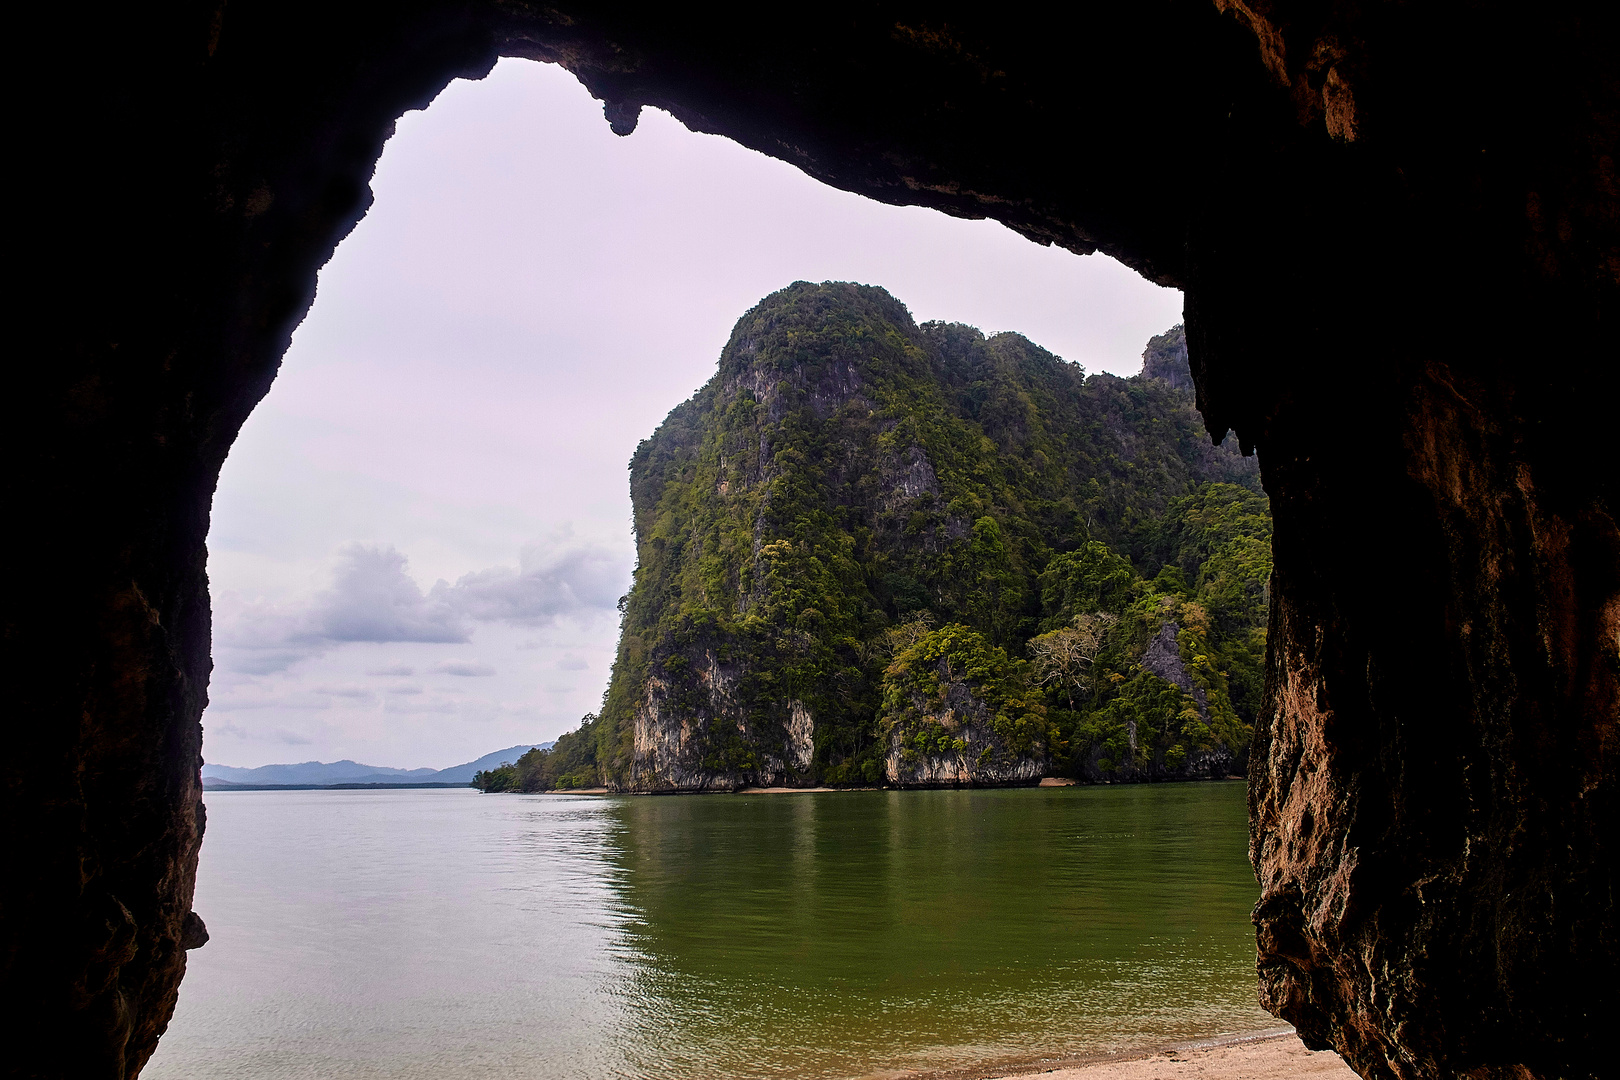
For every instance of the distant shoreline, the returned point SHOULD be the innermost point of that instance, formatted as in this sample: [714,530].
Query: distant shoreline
[1045,782]
[226,785]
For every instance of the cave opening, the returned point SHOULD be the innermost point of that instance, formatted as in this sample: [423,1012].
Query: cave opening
[1441,709]
[525,300]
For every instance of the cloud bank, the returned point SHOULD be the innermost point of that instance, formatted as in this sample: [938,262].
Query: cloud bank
[372,598]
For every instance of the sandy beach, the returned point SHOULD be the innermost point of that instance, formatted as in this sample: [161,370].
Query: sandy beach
[1269,1057]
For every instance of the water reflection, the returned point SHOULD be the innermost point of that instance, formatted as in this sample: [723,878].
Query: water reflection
[836,935]
[447,934]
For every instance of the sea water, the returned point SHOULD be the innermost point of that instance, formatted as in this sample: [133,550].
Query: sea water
[447,934]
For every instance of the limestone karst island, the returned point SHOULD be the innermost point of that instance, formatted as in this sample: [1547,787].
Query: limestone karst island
[872,552]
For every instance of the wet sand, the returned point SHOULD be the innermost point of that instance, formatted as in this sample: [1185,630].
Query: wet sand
[1266,1057]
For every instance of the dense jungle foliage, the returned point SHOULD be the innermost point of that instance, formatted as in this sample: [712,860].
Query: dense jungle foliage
[568,764]
[951,684]
[855,504]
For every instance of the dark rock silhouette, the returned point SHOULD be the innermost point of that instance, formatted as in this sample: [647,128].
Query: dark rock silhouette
[1397,232]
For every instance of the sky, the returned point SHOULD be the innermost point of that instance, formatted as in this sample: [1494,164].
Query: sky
[421,535]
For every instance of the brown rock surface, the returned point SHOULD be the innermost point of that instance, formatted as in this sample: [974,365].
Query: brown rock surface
[1397,230]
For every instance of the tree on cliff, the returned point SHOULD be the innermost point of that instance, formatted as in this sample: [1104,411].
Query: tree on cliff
[1065,658]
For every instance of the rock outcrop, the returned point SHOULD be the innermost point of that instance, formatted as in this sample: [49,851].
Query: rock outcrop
[681,731]
[956,714]
[1136,761]
[1396,231]
[1165,358]
[968,751]
[1163,658]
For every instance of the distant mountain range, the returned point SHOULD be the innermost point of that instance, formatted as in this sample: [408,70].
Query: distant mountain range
[335,773]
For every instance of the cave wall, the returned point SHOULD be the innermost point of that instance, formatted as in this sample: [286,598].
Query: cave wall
[1397,231]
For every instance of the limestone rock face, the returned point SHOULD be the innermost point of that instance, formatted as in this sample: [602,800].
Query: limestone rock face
[1165,359]
[675,737]
[1163,658]
[1400,291]
[1432,782]
[981,758]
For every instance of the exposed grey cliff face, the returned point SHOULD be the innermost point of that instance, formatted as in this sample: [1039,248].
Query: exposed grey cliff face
[962,768]
[675,735]
[1163,658]
[1165,359]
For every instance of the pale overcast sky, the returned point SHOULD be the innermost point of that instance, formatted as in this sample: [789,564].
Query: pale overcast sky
[420,536]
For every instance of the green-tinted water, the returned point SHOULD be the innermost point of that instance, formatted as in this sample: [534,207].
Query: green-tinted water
[805,935]
[834,935]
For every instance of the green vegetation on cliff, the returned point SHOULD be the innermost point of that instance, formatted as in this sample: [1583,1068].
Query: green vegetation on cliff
[956,707]
[872,551]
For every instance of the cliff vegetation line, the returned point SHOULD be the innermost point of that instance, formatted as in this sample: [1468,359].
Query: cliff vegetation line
[873,552]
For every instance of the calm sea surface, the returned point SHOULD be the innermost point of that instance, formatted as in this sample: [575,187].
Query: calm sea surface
[447,934]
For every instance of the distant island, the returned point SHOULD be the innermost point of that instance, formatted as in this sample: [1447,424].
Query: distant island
[351,774]
[873,552]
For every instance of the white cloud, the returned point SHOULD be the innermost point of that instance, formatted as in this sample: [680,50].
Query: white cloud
[372,598]
[545,586]
[275,736]
[251,660]
[252,697]
[428,706]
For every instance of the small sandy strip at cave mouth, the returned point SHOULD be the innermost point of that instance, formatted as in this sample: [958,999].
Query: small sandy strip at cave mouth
[1279,1057]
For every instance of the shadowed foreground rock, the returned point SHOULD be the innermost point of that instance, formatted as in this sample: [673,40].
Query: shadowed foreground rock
[1397,231]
